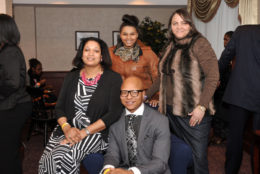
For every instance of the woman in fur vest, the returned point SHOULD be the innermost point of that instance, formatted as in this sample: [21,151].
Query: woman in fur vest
[187,81]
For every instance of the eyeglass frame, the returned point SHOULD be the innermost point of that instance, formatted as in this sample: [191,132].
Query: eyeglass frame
[130,92]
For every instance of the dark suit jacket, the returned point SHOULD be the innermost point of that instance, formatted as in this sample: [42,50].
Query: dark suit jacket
[243,88]
[104,104]
[153,144]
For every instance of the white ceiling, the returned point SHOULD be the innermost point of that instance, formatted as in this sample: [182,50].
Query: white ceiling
[104,2]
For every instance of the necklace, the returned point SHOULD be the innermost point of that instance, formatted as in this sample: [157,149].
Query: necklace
[90,81]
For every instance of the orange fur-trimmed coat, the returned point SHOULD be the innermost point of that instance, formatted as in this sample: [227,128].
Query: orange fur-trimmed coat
[146,68]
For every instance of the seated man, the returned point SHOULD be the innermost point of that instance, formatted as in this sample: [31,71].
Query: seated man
[140,141]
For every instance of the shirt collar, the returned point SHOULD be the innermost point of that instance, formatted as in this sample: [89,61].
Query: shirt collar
[139,111]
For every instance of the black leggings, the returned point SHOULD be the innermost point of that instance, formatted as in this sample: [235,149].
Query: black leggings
[11,124]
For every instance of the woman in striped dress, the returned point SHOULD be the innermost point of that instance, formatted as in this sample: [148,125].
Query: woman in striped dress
[89,102]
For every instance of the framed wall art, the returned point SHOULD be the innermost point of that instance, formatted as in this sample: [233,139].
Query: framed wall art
[115,36]
[83,34]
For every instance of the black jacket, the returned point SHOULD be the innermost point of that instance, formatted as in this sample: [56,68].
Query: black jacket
[243,88]
[12,78]
[104,104]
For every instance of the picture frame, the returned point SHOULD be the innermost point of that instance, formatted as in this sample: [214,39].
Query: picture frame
[83,34]
[115,36]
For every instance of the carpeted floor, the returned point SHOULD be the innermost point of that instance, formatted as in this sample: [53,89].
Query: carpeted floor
[216,157]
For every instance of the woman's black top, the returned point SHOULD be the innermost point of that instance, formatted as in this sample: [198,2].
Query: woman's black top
[12,78]
[104,104]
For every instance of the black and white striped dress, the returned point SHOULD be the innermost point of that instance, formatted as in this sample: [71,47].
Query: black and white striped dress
[63,159]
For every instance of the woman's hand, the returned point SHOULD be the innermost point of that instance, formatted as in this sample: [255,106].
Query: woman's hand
[83,133]
[154,103]
[72,135]
[196,116]
[218,84]
[119,171]
[64,141]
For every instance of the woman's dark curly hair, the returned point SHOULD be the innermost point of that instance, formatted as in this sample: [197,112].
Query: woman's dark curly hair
[130,20]
[106,60]
[33,62]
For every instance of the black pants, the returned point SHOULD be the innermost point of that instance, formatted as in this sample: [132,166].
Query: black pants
[220,127]
[237,120]
[220,119]
[11,124]
[196,137]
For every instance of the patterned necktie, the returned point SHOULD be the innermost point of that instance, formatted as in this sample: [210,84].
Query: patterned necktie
[131,140]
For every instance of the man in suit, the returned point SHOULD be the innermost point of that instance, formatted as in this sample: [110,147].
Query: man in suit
[148,152]
[243,89]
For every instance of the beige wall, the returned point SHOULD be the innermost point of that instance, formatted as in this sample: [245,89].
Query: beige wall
[48,32]
[3,6]
[9,7]
[24,17]
[6,7]
[258,12]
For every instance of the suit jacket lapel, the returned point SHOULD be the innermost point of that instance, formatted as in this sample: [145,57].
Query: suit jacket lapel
[123,134]
[143,126]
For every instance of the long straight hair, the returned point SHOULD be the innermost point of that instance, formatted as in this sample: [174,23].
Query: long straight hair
[9,33]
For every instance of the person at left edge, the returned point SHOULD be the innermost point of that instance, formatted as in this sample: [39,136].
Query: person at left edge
[15,102]
[89,102]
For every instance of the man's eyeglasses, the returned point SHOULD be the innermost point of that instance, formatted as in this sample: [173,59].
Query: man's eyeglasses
[133,93]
